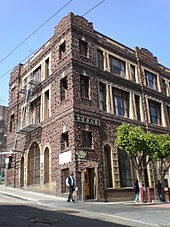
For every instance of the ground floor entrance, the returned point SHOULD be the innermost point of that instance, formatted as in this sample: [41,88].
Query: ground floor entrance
[89,176]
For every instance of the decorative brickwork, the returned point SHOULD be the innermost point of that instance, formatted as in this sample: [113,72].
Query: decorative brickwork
[63,111]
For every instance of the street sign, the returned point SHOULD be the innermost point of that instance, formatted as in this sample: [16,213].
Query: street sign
[82,166]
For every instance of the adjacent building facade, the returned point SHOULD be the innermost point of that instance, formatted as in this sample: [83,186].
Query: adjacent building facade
[65,104]
[3,136]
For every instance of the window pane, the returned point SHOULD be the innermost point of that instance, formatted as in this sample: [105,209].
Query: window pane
[100,59]
[121,103]
[84,83]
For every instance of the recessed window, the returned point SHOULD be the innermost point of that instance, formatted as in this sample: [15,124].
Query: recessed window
[126,169]
[155,112]
[102,96]
[36,75]
[84,87]
[132,73]
[151,80]
[62,50]
[34,113]
[168,111]
[137,104]
[87,139]
[64,141]
[83,48]
[121,102]
[11,127]
[164,87]
[47,68]
[100,59]
[13,93]
[46,105]
[117,67]
[63,88]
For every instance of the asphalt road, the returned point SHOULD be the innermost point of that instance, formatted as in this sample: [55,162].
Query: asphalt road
[17,212]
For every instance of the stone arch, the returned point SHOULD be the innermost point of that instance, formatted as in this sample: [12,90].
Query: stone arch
[33,175]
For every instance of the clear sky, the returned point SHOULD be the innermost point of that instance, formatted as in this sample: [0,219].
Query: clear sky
[142,23]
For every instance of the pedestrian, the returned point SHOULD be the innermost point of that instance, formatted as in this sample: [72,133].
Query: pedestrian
[71,184]
[136,190]
[159,190]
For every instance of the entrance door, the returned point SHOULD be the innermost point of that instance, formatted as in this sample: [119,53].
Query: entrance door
[89,183]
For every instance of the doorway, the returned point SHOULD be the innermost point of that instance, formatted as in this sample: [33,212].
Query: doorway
[89,183]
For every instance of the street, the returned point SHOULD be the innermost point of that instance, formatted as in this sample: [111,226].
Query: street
[16,212]
[57,212]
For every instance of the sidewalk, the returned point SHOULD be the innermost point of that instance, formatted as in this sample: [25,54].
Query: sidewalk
[37,197]
[28,195]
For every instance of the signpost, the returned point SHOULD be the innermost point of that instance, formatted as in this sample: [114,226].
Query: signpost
[82,166]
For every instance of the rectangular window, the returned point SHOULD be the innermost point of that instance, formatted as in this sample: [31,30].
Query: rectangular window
[13,93]
[168,112]
[102,96]
[62,50]
[163,83]
[121,103]
[87,139]
[84,87]
[36,75]
[132,72]
[34,113]
[64,141]
[47,68]
[155,112]
[11,127]
[117,67]
[83,48]
[46,105]
[151,80]
[100,59]
[137,104]
[63,88]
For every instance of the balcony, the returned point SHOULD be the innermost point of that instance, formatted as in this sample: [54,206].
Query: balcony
[34,82]
[28,128]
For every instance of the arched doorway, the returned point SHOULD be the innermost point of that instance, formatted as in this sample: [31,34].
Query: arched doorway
[22,173]
[34,164]
[46,165]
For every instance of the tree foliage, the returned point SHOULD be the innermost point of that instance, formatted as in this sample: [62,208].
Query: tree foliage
[139,145]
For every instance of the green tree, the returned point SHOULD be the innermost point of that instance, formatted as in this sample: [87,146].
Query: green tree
[143,148]
[161,154]
[133,140]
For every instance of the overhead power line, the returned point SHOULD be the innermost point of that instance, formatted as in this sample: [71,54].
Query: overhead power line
[41,27]
[35,31]
[93,8]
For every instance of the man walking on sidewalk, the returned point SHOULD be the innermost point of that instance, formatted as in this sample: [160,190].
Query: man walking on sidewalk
[71,184]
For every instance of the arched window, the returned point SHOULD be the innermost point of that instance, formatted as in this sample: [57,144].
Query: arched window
[34,164]
[22,173]
[108,166]
[126,169]
[46,165]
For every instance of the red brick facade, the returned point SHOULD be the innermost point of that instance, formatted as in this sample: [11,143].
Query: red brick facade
[73,117]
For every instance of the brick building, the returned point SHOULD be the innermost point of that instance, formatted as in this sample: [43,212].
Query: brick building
[3,136]
[67,100]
